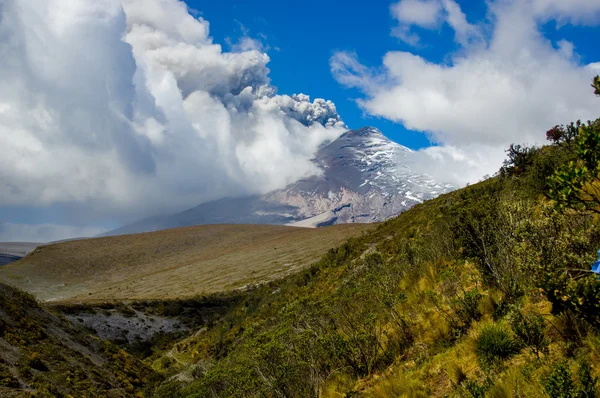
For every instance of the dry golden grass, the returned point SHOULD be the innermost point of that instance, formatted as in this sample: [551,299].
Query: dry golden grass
[173,263]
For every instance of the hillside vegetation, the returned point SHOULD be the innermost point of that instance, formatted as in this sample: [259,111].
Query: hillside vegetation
[46,356]
[168,264]
[486,291]
[482,292]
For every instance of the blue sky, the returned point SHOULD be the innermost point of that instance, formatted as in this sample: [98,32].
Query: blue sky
[116,110]
[302,37]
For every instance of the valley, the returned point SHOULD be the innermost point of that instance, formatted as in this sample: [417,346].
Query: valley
[14,251]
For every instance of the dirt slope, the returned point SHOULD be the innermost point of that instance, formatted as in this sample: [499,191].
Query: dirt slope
[172,263]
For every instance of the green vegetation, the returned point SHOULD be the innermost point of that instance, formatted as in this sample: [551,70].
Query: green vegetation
[529,331]
[495,344]
[560,383]
[46,356]
[483,292]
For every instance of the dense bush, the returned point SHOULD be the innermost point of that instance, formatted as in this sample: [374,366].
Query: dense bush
[588,384]
[560,382]
[530,333]
[495,343]
[580,296]
[518,159]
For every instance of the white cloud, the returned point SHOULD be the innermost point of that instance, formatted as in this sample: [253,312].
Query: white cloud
[404,33]
[512,89]
[424,13]
[464,31]
[429,14]
[348,71]
[43,233]
[585,12]
[594,67]
[128,108]
[566,48]
[458,164]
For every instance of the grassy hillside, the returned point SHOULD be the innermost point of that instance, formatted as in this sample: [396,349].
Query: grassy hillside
[173,263]
[481,292]
[44,355]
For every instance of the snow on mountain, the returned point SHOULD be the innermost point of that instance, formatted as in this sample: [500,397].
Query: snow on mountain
[365,178]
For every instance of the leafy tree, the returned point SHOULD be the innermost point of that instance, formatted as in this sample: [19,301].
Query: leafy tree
[577,184]
[561,135]
[519,159]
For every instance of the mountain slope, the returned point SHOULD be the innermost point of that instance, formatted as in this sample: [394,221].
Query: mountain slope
[173,263]
[365,178]
[479,292]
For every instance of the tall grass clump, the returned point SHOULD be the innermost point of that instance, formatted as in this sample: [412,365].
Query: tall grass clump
[495,344]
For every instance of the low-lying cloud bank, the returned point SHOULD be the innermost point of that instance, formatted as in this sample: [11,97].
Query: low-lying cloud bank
[505,84]
[44,233]
[127,108]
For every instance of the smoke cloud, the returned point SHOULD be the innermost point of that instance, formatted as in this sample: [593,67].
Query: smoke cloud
[128,108]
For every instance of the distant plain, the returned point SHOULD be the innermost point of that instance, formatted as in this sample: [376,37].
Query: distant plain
[174,263]
[13,251]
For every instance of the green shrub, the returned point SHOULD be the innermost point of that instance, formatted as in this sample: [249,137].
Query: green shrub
[559,384]
[587,383]
[578,296]
[7,379]
[476,389]
[519,158]
[495,344]
[126,311]
[467,307]
[35,362]
[529,331]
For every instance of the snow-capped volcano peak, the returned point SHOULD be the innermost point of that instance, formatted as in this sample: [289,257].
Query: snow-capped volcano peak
[363,132]
[365,177]
[370,141]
